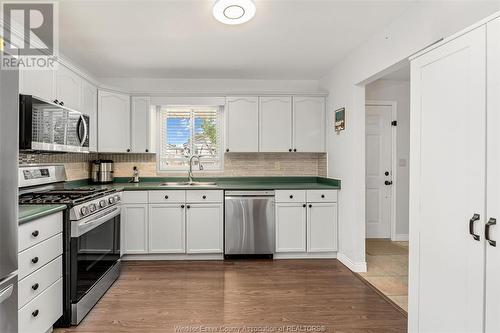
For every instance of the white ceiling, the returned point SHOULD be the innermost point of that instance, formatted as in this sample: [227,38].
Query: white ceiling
[287,39]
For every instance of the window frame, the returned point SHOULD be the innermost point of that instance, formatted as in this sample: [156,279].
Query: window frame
[221,128]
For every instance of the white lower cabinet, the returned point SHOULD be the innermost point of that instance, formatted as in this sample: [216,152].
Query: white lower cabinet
[204,228]
[290,227]
[167,231]
[135,228]
[322,227]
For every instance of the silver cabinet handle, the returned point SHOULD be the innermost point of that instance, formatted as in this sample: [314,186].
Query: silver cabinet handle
[6,293]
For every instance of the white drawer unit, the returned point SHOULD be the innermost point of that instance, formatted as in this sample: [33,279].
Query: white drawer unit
[42,312]
[172,196]
[36,283]
[34,232]
[37,256]
[202,196]
[322,195]
[135,197]
[298,196]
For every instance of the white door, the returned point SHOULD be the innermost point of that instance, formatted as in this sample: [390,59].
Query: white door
[378,171]
[204,228]
[167,229]
[39,83]
[447,186]
[68,88]
[242,122]
[140,116]
[275,124]
[309,124]
[134,228]
[321,227]
[114,122]
[89,107]
[290,227]
[493,176]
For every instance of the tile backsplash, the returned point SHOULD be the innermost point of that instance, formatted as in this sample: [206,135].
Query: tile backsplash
[235,164]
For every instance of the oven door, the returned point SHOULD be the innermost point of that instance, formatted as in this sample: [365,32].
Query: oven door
[95,249]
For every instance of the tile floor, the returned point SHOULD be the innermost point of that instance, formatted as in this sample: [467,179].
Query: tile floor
[388,269]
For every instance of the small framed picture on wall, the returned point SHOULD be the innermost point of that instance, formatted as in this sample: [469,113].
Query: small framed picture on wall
[340,120]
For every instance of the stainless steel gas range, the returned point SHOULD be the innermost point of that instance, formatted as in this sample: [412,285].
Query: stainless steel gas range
[91,230]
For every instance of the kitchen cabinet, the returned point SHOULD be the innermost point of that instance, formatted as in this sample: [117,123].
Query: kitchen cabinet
[89,107]
[290,227]
[114,122]
[135,234]
[309,124]
[39,83]
[167,228]
[321,227]
[68,88]
[204,228]
[140,124]
[447,217]
[275,124]
[242,124]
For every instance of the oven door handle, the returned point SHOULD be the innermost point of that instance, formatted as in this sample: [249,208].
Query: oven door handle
[85,226]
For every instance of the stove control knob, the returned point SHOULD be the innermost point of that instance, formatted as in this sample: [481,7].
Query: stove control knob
[111,200]
[103,203]
[84,211]
[117,198]
[93,208]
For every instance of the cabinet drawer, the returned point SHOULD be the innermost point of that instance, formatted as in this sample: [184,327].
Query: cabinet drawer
[36,283]
[34,232]
[203,196]
[322,196]
[172,196]
[290,196]
[42,312]
[37,256]
[133,197]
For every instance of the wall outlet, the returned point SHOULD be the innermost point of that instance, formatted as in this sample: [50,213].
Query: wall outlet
[277,166]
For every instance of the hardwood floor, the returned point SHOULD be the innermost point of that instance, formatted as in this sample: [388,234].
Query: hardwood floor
[219,296]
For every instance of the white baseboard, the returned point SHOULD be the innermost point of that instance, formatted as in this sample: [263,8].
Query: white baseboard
[401,238]
[358,267]
[131,257]
[305,255]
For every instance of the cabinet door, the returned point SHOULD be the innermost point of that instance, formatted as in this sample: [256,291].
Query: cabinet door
[114,122]
[493,176]
[242,124]
[275,124]
[135,229]
[290,227]
[68,88]
[140,117]
[309,124]
[39,83]
[321,227]
[204,228]
[89,107]
[447,186]
[167,228]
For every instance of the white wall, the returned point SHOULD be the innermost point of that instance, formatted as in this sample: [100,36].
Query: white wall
[399,91]
[418,27]
[153,85]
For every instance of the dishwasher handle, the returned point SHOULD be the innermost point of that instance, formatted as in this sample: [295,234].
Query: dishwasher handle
[252,194]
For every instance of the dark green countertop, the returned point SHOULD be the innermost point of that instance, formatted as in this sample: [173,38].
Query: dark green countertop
[224,183]
[32,212]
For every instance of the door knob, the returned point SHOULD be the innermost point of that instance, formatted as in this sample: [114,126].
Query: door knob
[388,182]
[386,173]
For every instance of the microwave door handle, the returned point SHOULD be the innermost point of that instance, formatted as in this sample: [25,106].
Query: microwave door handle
[78,125]
[85,130]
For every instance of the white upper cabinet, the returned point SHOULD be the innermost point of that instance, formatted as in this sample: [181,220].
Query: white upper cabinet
[309,124]
[275,124]
[114,122]
[242,124]
[89,107]
[68,88]
[140,121]
[39,83]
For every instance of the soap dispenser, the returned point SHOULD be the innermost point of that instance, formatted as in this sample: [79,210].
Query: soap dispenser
[135,176]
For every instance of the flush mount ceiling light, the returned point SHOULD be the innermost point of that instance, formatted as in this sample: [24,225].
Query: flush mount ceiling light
[234,11]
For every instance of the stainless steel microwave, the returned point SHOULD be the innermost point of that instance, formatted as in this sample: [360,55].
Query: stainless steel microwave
[45,126]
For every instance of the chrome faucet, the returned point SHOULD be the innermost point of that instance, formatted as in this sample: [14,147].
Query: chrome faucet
[190,173]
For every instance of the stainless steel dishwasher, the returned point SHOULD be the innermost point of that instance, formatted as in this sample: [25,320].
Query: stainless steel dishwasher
[249,223]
